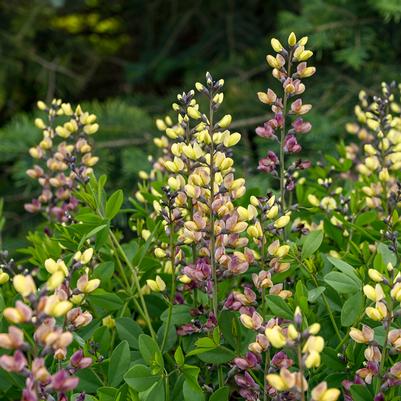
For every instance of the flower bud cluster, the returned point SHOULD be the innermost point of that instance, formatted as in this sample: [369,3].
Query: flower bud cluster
[39,309]
[289,335]
[384,297]
[63,158]
[289,68]
[379,130]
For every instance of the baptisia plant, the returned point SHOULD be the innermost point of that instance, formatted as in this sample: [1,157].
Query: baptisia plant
[63,156]
[41,323]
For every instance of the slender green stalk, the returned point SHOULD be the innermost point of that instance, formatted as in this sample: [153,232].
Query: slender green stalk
[172,290]
[212,234]
[136,283]
[325,301]
[301,371]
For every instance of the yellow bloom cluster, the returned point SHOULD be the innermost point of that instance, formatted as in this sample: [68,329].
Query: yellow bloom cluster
[379,129]
[63,156]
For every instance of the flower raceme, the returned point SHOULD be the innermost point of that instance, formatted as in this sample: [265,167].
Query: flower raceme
[289,68]
[39,308]
[63,156]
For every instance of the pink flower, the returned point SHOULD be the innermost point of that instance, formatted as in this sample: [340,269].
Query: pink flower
[269,163]
[15,363]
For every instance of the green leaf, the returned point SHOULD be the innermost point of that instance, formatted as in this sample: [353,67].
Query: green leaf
[221,394]
[191,389]
[129,330]
[346,269]
[311,243]
[179,356]
[119,363]
[91,234]
[352,309]
[140,378]
[88,381]
[157,393]
[150,351]
[315,293]
[105,300]
[114,203]
[104,271]
[180,315]
[107,393]
[360,392]
[342,283]
[387,255]
[278,307]
[217,356]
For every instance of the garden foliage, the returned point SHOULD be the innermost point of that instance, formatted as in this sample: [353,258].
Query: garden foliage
[216,291]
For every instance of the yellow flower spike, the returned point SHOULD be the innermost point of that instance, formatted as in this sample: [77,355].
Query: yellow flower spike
[41,105]
[283,381]
[145,234]
[377,313]
[194,113]
[375,275]
[384,175]
[307,72]
[273,212]
[314,343]
[276,381]
[171,133]
[161,125]
[160,253]
[322,393]
[314,328]
[292,332]
[232,139]
[282,221]
[140,197]
[312,360]
[313,200]
[292,39]
[374,293]
[61,309]
[24,285]
[4,277]
[199,87]
[247,321]
[272,61]
[55,280]
[275,336]
[276,45]
[109,322]
[184,279]
[40,123]
[157,285]
[62,132]
[282,251]
[396,292]
[303,41]
[225,121]
[91,129]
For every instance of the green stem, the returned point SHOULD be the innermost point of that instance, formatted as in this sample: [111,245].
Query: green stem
[136,283]
[212,235]
[172,291]
[325,301]
[266,369]
[301,371]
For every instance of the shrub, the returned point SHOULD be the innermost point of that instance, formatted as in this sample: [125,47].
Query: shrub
[215,292]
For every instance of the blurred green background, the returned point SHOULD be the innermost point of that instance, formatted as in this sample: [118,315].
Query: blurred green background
[127,59]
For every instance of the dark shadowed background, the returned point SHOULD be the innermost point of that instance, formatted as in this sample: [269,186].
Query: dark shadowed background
[127,59]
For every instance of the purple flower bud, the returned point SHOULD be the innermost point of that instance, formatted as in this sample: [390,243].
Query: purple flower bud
[62,381]
[269,163]
[291,145]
